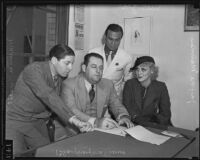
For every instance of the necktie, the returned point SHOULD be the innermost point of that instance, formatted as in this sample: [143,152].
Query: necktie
[92,93]
[109,58]
[55,80]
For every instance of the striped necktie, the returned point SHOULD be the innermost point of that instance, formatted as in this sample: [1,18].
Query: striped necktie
[55,80]
[92,93]
[109,58]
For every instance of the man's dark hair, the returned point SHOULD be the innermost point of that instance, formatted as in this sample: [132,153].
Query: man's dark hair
[89,55]
[60,51]
[114,28]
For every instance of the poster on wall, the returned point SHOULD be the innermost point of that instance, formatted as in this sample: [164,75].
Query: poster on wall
[79,36]
[137,35]
[79,14]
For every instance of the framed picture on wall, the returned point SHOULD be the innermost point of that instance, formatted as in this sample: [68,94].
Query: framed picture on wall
[191,22]
[137,35]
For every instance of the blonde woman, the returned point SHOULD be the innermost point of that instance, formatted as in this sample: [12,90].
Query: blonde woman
[147,99]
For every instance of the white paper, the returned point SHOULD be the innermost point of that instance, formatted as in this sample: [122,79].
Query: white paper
[171,133]
[117,131]
[142,134]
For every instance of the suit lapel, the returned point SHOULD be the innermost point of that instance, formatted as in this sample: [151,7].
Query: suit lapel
[82,92]
[111,68]
[48,74]
[104,59]
[101,97]
[50,78]
[138,97]
[114,60]
[59,84]
[150,96]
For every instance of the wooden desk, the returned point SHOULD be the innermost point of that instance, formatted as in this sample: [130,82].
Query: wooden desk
[192,150]
[98,144]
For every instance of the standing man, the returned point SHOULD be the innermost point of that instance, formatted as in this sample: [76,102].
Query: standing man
[36,97]
[88,95]
[117,62]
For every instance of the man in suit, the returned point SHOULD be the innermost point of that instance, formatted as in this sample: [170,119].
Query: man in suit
[117,62]
[88,95]
[36,97]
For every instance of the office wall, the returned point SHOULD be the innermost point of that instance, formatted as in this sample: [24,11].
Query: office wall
[176,52]
[71,40]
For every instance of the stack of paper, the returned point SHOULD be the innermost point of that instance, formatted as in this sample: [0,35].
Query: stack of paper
[142,134]
[138,132]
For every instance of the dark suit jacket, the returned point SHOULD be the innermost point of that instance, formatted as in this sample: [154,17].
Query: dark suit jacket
[75,95]
[153,109]
[35,96]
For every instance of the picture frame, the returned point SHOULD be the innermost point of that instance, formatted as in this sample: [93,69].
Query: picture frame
[137,35]
[191,21]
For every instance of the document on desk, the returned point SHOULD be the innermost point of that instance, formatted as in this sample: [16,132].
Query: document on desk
[120,131]
[143,134]
[171,133]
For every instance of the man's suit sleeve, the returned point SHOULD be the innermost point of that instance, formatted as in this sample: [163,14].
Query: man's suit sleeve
[116,107]
[34,78]
[68,96]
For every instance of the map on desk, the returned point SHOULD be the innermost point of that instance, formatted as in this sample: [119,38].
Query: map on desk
[138,132]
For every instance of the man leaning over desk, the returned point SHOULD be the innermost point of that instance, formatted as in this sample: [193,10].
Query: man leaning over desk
[88,95]
[35,98]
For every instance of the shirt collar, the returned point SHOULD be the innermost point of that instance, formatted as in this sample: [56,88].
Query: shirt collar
[107,51]
[88,85]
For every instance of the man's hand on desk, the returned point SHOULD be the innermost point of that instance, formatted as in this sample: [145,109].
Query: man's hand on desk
[87,127]
[105,123]
[124,120]
[83,126]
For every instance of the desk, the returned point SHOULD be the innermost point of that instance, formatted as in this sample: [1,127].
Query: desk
[99,144]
